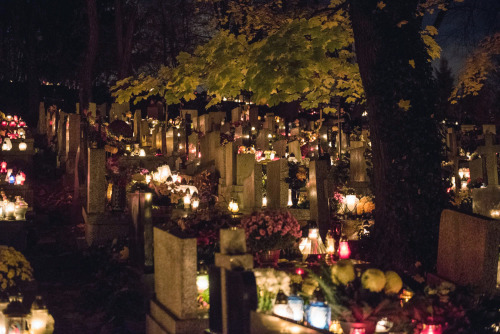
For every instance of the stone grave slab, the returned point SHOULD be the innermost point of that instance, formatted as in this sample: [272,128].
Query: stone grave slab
[468,250]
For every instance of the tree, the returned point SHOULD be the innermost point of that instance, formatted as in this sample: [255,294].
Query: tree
[86,74]
[309,57]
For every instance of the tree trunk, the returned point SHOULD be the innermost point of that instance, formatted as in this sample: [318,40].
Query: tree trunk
[406,144]
[124,41]
[88,65]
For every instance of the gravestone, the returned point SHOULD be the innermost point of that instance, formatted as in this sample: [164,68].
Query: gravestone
[137,125]
[233,292]
[117,111]
[145,134]
[280,147]
[476,170]
[277,188]
[490,128]
[236,114]
[174,308]
[170,138]
[155,111]
[72,141]
[103,110]
[468,250]
[193,146]
[294,147]
[485,201]
[140,206]
[317,193]
[245,167]
[42,127]
[269,122]
[263,140]
[253,115]
[357,162]
[238,136]
[489,152]
[96,181]
[61,139]
[92,110]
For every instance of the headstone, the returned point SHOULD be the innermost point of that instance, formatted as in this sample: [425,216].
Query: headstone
[486,201]
[468,250]
[118,110]
[175,308]
[236,114]
[155,111]
[92,109]
[171,141]
[269,122]
[145,133]
[193,146]
[103,110]
[96,181]
[280,147]
[277,188]
[42,128]
[490,128]
[476,169]
[238,136]
[137,125]
[294,147]
[489,151]
[72,141]
[357,162]
[140,206]
[263,140]
[192,112]
[254,116]
[61,138]
[317,193]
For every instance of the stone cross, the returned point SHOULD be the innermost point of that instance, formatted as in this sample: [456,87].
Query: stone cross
[489,151]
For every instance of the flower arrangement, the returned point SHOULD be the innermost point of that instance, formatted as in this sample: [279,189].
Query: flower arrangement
[439,305]
[226,138]
[360,297]
[271,230]
[365,206]
[269,283]
[207,184]
[14,268]
[297,175]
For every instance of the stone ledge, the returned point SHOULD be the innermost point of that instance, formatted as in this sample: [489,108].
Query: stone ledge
[160,321]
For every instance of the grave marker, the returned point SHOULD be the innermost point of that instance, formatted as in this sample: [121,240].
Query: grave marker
[489,151]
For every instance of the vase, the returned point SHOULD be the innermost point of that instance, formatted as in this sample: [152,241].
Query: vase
[350,327]
[268,258]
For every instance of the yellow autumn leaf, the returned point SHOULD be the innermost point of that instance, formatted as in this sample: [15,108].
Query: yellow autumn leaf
[380,5]
[412,63]
[404,104]
[402,23]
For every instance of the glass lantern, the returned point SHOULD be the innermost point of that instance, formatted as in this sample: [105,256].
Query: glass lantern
[318,312]
[15,316]
[296,303]
[344,250]
[39,316]
[9,208]
[281,307]
[20,209]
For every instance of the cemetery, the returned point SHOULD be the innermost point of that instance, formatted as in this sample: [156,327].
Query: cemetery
[290,172]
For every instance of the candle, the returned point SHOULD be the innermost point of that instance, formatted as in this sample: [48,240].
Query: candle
[431,329]
[344,250]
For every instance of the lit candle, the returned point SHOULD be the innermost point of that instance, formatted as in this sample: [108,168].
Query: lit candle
[350,202]
[344,250]
[431,329]
[3,167]
[264,201]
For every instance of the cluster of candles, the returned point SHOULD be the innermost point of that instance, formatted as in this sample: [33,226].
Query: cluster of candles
[13,210]
[10,178]
[33,321]
[313,245]
[16,127]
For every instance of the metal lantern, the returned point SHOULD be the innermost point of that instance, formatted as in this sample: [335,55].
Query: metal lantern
[39,317]
[233,206]
[16,316]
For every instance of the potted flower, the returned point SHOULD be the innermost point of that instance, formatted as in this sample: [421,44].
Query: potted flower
[269,231]
[15,270]
[360,299]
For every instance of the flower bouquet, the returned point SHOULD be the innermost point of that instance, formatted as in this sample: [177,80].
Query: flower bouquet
[269,283]
[14,268]
[360,299]
[269,231]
